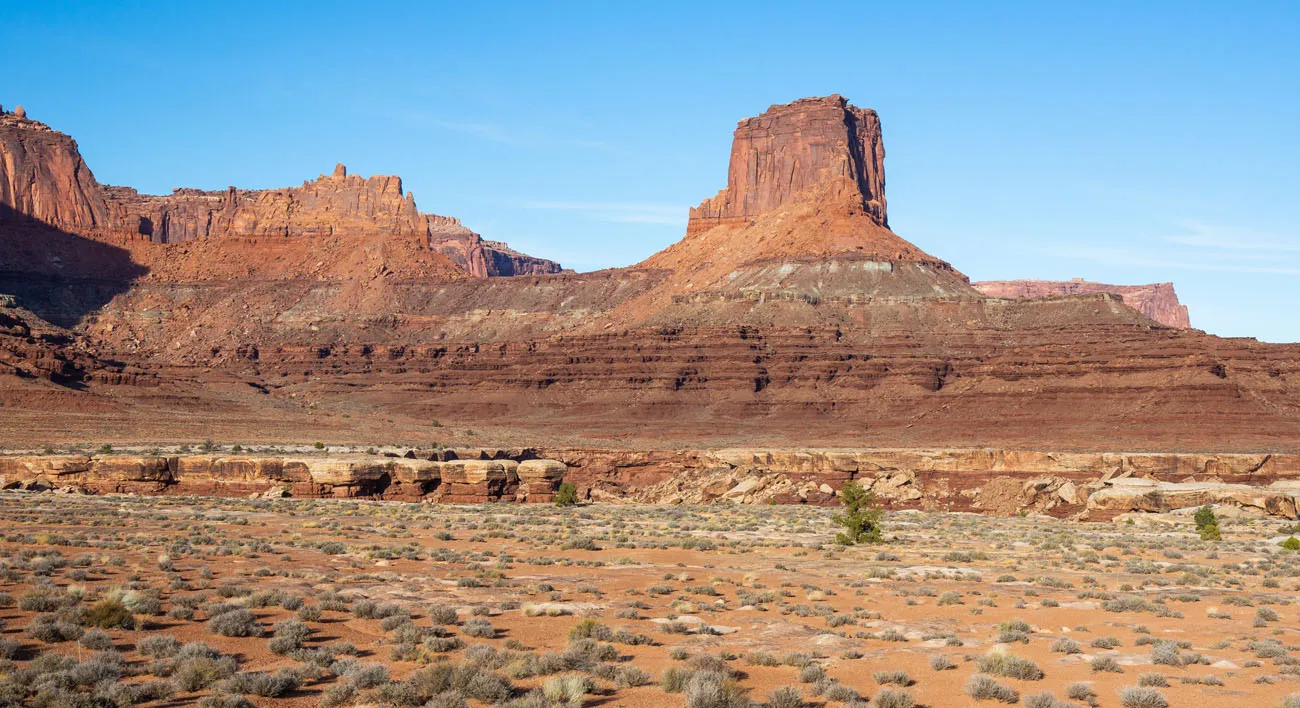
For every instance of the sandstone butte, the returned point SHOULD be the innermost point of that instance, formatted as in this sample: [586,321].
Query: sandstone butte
[789,316]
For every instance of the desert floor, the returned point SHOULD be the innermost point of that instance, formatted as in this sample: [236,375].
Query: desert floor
[379,603]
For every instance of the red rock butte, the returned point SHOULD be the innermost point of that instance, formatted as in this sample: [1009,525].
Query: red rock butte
[786,154]
[790,314]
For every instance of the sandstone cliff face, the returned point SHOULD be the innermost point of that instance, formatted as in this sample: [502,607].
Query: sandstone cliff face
[1157,301]
[779,156]
[43,178]
[45,186]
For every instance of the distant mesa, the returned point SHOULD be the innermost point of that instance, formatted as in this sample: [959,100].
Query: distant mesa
[1157,301]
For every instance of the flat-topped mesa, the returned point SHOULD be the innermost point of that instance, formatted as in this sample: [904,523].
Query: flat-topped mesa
[1158,301]
[794,152]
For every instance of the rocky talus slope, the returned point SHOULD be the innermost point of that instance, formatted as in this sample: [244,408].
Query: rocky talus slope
[790,314]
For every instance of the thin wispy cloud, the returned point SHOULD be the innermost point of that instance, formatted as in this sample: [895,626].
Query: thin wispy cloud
[1228,238]
[617,212]
[1123,257]
[1200,247]
[492,132]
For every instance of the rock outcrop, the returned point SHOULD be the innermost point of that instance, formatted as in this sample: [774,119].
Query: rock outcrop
[1093,486]
[1157,301]
[46,186]
[452,481]
[482,258]
[44,179]
[791,153]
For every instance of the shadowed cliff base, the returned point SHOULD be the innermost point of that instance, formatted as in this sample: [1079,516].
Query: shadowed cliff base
[61,276]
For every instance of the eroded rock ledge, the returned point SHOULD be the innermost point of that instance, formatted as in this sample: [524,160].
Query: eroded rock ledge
[445,477]
[1088,486]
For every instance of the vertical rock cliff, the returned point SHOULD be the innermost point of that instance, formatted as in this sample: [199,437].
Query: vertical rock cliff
[43,177]
[783,155]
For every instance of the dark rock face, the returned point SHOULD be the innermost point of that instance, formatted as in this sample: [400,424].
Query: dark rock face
[781,156]
[1157,301]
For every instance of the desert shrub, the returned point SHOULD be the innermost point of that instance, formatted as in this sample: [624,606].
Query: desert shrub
[1291,544]
[567,690]
[1065,645]
[709,689]
[309,613]
[787,697]
[1153,679]
[632,676]
[1166,654]
[811,673]
[888,698]
[109,613]
[1046,700]
[481,685]
[50,629]
[200,672]
[566,495]
[262,684]
[235,623]
[939,662]
[8,649]
[591,629]
[96,639]
[674,678]
[289,636]
[1138,697]
[861,517]
[479,628]
[999,664]
[895,677]
[41,601]
[1207,524]
[1105,643]
[840,693]
[225,700]
[159,646]
[985,688]
[1106,663]
[441,614]
[1080,691]
[366,675]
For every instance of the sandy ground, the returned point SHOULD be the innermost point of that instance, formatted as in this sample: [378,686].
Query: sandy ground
[763,582]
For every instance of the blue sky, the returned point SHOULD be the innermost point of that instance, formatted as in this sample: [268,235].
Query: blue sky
[1117,141]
